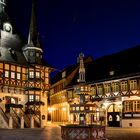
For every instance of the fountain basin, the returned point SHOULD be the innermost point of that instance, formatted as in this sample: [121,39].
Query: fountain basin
[82,132]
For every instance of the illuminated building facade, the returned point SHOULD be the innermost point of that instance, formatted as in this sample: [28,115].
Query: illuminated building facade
[113,87]
[24,76]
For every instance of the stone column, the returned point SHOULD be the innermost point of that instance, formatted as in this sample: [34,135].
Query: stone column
[43,121]
[22,122]
[10,122]
[32,122]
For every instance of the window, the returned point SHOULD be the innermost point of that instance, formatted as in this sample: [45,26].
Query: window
[77,108]
[127,106]
[13,101]
[94,90]
[12,68]
[18,69]
[99,90]
[37,75]
[82,88]
[115,87]
[6,73]
[124,85]
[13,75]
[107,88]
[136,106]
[31,74]
[37,98]
[7,66]
[18,76]
[31,98]
[131,106]
[133,84]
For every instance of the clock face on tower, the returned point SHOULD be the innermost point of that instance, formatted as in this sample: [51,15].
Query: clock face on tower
[7,27]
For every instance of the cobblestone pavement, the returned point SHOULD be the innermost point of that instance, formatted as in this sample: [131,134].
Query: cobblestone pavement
[123,133]
[53,132]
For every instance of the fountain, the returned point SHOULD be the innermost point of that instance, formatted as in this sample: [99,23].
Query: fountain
[83,130]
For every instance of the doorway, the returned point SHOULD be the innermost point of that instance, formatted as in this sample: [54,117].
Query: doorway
[113,116]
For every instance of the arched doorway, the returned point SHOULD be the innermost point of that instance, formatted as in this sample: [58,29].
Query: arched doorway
[113,116]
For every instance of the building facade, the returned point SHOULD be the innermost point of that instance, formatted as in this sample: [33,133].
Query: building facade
[24,76]
[112,87]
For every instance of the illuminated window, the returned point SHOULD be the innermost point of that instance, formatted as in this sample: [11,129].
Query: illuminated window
[37,98]
[82,88]
[107,88]
[31,98]
[90,108]
[37,75]
[77,108]
[13,101]
[12,75]
[124,85]
[86,88]
[81,108]
[93,90]
[127,106]
[6,73]
[31,74]
[131,106]
[115,87]
[99,90]
[110,109]
[133,84]
[23,70]
[7,66]
[18,69]
[18,75]
[136,106]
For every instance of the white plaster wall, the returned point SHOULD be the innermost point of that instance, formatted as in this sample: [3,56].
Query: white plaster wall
[135,123]
[44,109]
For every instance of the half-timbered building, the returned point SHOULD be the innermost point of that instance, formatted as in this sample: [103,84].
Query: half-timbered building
[24,76]
[112,87]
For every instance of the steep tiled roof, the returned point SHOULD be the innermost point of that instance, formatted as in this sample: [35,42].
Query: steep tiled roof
[121,64]
[10,48]
[68,70]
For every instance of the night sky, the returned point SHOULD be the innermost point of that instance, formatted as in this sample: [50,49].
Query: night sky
[68,27]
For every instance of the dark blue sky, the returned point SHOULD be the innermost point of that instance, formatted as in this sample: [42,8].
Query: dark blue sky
[67,27]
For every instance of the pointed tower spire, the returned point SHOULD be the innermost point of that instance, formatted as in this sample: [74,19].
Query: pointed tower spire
[32,50]
[33,34]
[81,68]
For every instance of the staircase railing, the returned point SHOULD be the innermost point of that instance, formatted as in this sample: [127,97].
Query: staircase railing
[37,120]
[27,119]
[4,116]
[16,118]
